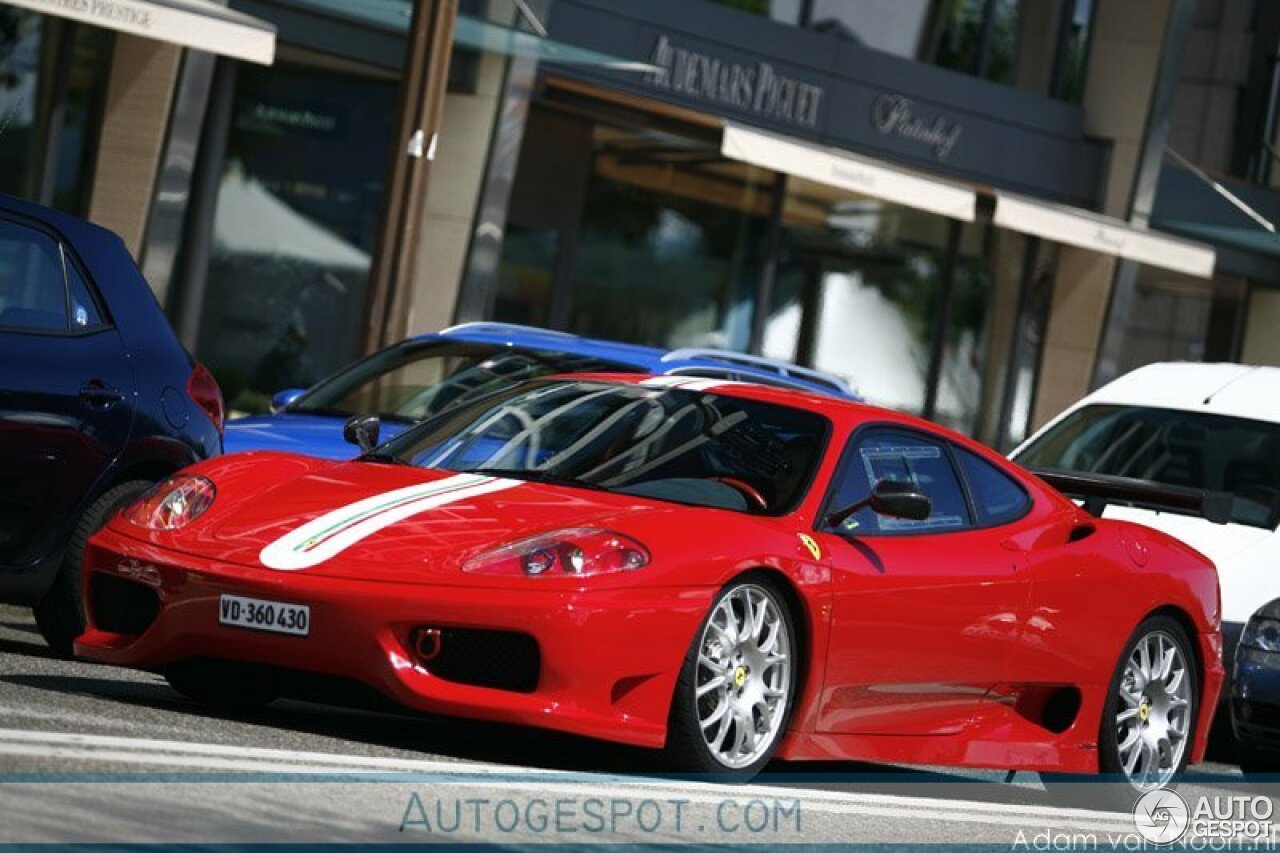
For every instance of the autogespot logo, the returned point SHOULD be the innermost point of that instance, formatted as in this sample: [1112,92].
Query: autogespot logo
[1161,816]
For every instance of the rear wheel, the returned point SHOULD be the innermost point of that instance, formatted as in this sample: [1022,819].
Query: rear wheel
[735,692]
[224,685]
[1148,720]
[60,615]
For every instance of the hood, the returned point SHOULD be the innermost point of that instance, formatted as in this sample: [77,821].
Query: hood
[292,432]
[391,523]
[1247,557]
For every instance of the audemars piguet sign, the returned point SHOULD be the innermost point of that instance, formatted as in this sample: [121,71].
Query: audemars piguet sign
[756,88]
[895,115]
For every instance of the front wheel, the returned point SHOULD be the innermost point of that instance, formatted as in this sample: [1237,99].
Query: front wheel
[1148,719]
[737,684]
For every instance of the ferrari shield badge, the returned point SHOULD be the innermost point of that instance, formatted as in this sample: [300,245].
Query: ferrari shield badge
[811,544]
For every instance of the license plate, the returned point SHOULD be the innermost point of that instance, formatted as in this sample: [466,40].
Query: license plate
[261,615]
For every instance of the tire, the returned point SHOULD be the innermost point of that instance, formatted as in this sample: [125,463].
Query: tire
[60,615]
[1171,701]
[223,685]
[764,667]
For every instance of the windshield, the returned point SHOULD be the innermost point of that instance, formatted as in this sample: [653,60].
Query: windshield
[1201,451]
[682,446]
[411,382]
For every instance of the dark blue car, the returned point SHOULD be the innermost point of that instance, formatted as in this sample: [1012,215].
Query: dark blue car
[425,375]
[1255,692]
[98,401]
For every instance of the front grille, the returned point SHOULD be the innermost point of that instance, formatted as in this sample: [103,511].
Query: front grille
[505,660]
[121,606]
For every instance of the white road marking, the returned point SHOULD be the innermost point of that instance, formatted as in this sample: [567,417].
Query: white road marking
[228,758]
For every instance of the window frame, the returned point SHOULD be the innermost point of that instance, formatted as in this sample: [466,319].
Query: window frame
[66,256]
[71,262]
[1029,500]
[948,446]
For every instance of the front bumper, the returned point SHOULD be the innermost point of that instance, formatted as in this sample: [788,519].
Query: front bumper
[608,659]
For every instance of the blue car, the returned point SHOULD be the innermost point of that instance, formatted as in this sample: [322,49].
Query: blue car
[98,401]
[1255,692]
[426,375]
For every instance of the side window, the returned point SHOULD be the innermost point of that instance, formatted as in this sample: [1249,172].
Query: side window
[33,293]
[907,458]
[85,313]
[997,497]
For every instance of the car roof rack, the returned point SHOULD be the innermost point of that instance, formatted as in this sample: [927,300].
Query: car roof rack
[497,328]
[776,366]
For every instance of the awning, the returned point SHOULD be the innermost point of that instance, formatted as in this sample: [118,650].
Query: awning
[489,37]
[848,171]
[478,33]
[191,23]
[1103,234]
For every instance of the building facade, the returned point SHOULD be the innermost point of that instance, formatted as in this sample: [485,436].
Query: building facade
[962,206]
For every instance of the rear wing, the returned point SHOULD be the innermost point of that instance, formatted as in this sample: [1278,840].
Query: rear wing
[1099,490]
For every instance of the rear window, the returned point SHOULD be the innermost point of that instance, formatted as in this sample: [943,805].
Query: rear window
[1177,448]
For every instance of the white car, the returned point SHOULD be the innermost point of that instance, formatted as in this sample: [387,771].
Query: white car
[1205,426]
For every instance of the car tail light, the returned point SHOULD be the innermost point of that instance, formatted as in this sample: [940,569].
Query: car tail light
[576,552]
[206,394]
[172,503]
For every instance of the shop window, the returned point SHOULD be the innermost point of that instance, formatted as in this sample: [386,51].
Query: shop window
[1039,46]
[631,234]
[674,239]
[526,275]
[294,229]
[50,67]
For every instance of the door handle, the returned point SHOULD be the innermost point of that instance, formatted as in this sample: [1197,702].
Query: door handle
[95,393]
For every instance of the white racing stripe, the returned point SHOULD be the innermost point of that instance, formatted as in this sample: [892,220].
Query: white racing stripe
[332,533]
[226,758]
[686,383]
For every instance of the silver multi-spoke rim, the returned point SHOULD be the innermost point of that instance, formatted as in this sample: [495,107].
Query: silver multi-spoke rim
[743,680]
[1153,716]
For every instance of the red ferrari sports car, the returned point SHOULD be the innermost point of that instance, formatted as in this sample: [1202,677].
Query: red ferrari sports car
[727,571]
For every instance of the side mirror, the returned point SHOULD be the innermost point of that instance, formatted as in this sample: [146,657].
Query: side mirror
[362,431]
[281,399]
[898,500]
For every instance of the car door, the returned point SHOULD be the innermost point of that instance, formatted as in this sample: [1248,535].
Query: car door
[923,612]
[66,391]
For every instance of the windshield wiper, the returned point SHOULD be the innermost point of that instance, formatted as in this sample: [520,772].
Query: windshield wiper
[536,476]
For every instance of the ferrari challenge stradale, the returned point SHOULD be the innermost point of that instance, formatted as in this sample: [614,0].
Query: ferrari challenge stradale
[725,571]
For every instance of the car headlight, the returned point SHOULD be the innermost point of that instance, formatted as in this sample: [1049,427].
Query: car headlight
[172,503]
[575,552]
[1263,631]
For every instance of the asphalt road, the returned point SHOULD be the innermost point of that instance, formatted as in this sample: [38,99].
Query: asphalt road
[93,753]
